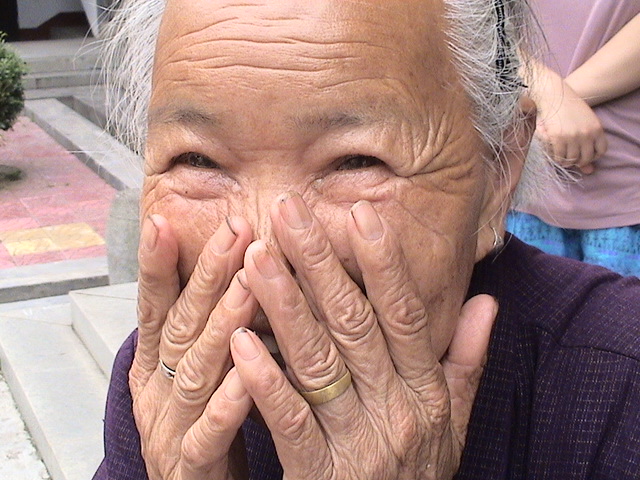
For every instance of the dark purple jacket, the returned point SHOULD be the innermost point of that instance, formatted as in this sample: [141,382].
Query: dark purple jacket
[559,398]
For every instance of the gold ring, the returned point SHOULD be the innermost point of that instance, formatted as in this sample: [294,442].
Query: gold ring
[167,370]
[328,393]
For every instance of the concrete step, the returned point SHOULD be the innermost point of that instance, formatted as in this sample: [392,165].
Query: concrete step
[65,55]
[90,102]
[103,318]
[49,279]
[59,389]
[71,78]
[111,160]
[58,93]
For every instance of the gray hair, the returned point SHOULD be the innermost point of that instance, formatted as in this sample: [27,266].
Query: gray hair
[486,37]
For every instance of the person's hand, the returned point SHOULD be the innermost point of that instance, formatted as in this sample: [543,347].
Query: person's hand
[187,424]
[568,126]
[405,414]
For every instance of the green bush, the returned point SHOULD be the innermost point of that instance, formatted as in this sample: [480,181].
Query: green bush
[12,69]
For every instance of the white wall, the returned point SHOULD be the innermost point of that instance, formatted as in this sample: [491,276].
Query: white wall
[33,13]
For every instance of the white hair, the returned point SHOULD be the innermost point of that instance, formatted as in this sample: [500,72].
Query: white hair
[486,37]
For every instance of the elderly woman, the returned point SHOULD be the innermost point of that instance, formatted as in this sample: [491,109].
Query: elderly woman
[326,184]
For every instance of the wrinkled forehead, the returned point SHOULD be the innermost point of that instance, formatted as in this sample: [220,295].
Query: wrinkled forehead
[406,32]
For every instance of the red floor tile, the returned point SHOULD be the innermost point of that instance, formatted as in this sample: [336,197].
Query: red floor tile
[56,189]
[88,252]
[12,209]
[6,263]
[19,223]
[99,226]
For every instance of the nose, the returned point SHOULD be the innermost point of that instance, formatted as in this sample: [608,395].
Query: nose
[263,184]
[256,210]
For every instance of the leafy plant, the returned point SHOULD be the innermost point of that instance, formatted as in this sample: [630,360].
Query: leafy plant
[12,69]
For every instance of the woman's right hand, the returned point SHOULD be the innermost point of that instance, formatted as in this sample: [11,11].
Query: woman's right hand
[188,424]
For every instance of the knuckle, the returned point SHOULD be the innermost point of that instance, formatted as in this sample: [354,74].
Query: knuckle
[408,313]
[407,437]
[439,409]
[316,252]
[204,280]
[295,424]
[351,316]
[210,271]
[148,274]
[146,311]
[178,329]
[217,422]
[294,418]
[194,451]
[189,383]
[292,300]
[321,368]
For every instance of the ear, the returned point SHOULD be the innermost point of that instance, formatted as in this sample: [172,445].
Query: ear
[502,181]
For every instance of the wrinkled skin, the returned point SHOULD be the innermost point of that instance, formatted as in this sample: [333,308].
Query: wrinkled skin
[299,155]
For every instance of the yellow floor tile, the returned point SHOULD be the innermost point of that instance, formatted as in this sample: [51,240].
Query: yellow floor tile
[50,239]
[23,235]
[28,247]
[74,235]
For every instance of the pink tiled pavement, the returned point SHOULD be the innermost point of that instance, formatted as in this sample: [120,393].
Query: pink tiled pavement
[56,189]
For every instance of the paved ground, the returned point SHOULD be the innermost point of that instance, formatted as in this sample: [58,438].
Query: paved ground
[57,210]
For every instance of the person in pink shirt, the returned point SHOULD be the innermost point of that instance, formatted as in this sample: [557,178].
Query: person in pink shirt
[588,96]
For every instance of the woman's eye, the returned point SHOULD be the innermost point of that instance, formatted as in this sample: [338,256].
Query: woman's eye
[196,160]
[356,162]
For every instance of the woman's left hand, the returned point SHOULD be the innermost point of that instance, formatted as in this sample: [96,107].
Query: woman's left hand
[406,412]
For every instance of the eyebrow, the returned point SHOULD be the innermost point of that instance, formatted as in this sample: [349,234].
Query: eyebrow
[191,117]
[182,116]
[328,122]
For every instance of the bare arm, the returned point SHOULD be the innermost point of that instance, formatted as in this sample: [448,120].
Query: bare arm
[612,71]
[567,125]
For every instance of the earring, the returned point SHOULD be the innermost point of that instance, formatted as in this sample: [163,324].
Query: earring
[498,241]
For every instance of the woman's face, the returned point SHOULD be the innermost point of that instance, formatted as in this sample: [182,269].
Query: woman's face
[337,100]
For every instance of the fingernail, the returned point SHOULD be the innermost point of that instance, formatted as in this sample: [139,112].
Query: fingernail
[295,212]
[265,263]
[245,343]
[237,293]
[242,279]
[234,390]
[224,238]
[367,221]
[149,234]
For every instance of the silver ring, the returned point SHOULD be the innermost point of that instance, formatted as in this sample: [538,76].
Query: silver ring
[168,371]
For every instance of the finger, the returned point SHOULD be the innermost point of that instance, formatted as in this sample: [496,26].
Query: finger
[464,362]
[313,359]
[400,310]
[601,145]
[348,315]
[587,169]
[158,289]
[206,445]
[203,366]
[298,438]
[572,155]
[220,259]
[587,154]
[559,148]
